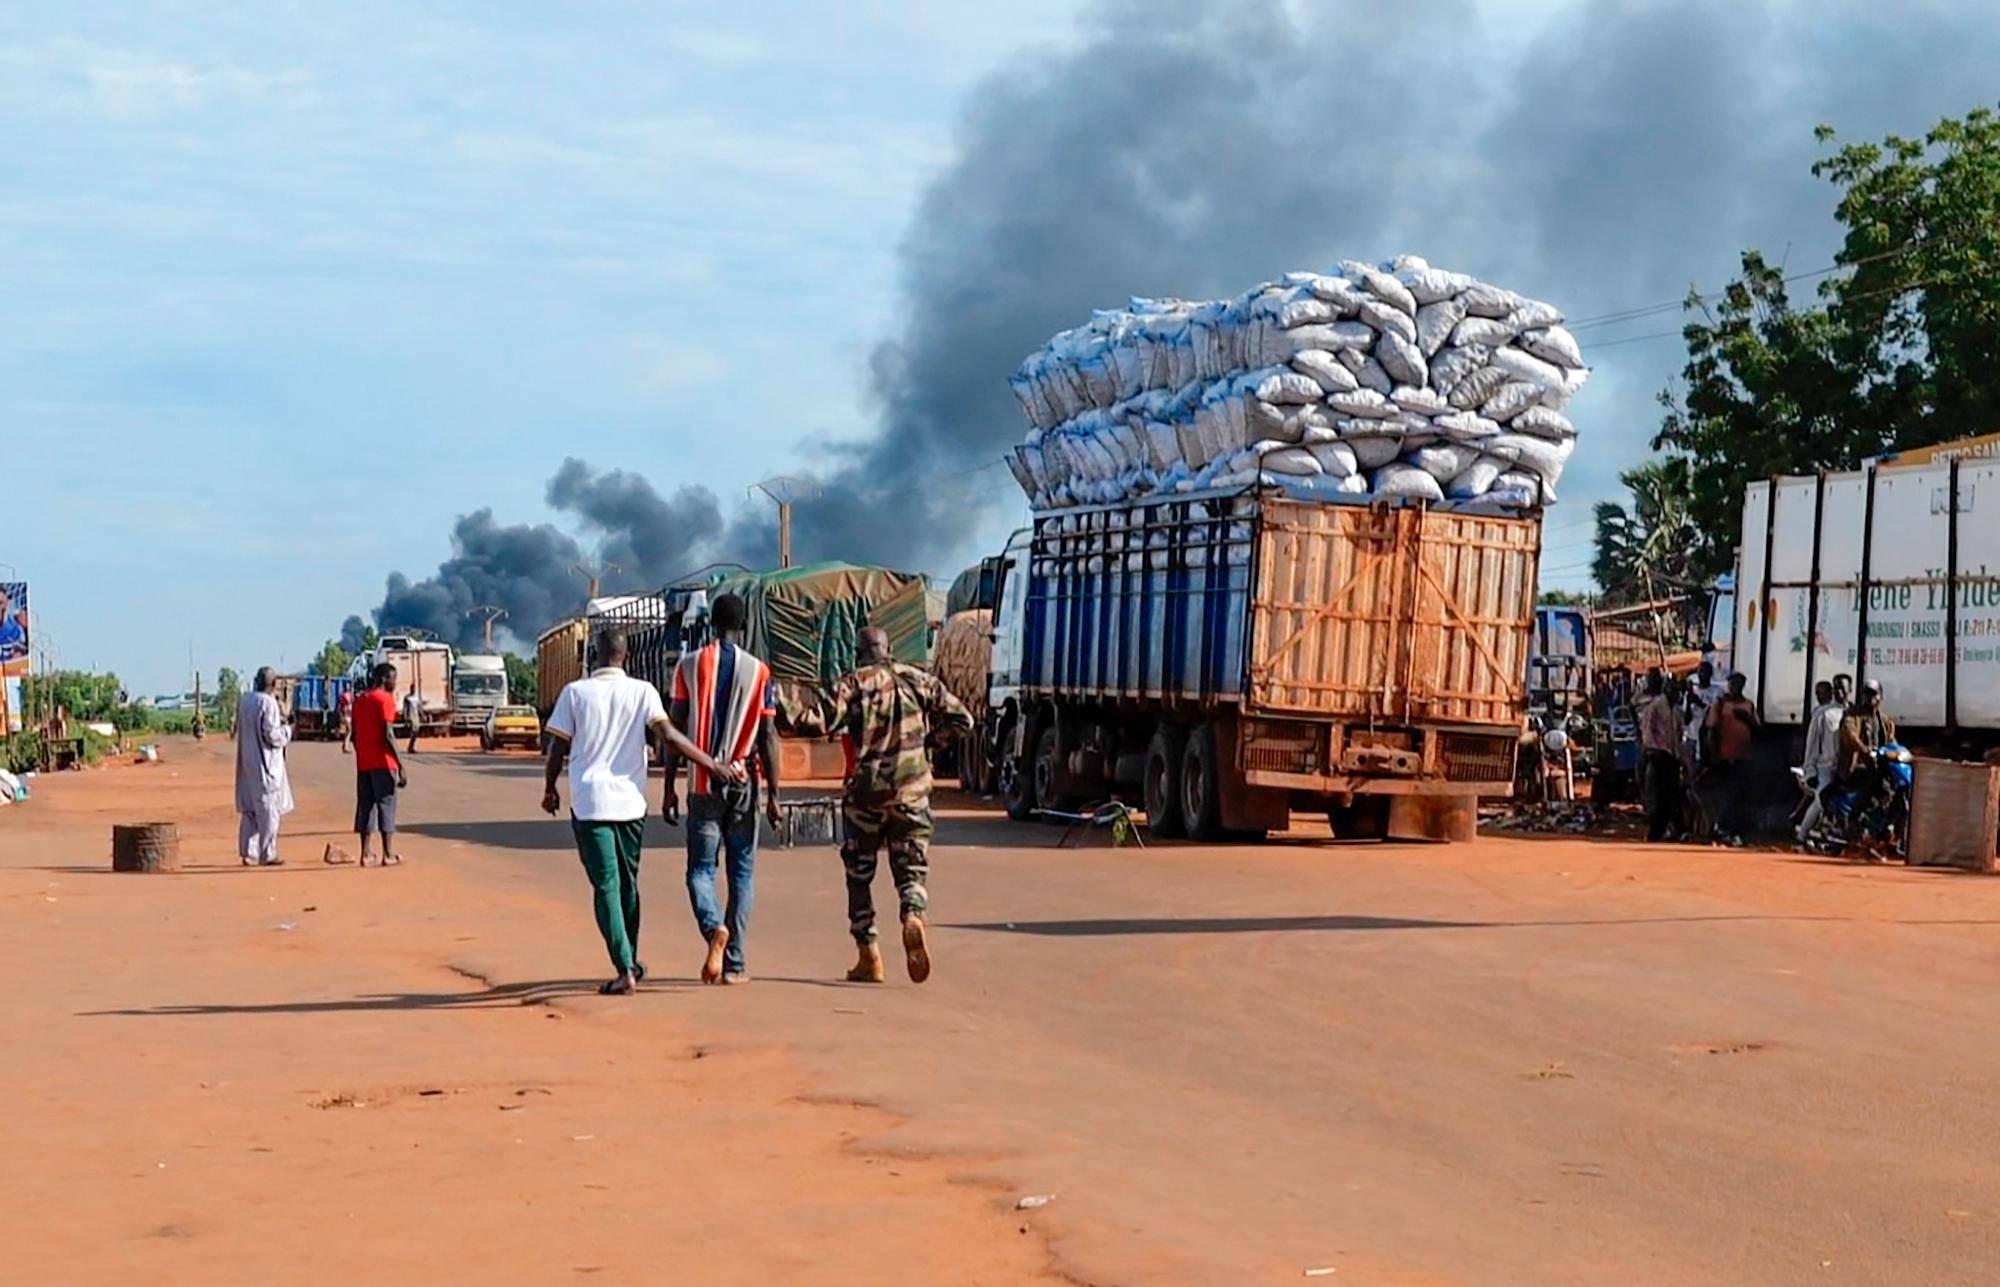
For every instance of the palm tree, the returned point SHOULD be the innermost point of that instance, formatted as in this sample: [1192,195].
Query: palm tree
[1651,547]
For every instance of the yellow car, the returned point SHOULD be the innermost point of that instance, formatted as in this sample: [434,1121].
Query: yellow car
[512,726]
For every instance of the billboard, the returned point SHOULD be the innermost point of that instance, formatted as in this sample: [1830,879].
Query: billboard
[14,642]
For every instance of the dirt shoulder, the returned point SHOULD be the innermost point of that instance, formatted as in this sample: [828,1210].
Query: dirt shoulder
[278,1075]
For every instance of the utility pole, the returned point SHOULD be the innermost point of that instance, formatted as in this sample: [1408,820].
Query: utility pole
[596,578]
[488,614]
[785,492]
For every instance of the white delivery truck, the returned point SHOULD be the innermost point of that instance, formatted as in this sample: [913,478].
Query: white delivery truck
[1889,572]
[478,688]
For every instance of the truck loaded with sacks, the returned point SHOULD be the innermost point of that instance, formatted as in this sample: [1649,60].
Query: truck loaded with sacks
[1283,554]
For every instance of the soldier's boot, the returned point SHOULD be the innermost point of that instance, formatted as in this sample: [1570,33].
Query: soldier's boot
[916,951]
[868,969]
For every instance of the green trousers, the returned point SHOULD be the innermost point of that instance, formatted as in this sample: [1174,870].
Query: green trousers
[610,853]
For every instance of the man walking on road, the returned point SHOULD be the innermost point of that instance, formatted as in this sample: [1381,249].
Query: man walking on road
[413,714]
[723,700]
[378,772]
[263,787]
[601,725]
[889,709]
[346,712]
[1659,758]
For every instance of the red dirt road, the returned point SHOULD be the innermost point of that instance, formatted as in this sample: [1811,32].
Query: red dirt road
[1520,1061]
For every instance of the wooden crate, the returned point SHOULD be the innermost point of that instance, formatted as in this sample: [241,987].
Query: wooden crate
[1955,815]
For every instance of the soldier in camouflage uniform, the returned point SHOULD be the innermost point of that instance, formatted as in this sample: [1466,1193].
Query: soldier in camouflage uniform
[888,709]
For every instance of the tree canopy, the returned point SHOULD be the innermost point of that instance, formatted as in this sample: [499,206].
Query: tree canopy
[1901,350]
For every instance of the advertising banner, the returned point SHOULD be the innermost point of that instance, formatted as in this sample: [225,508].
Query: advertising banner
[14,641]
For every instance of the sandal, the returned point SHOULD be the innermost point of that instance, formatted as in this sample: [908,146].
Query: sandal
[622,986]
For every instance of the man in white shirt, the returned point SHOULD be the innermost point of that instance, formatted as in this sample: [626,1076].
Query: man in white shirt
[600,726]
[1822,757]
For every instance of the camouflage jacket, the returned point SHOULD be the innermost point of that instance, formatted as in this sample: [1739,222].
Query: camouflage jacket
[888,709]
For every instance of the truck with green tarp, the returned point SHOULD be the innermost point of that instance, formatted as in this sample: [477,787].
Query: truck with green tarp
[803,622]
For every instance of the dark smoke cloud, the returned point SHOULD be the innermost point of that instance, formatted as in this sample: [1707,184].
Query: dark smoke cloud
[1617,156]
[650,537]
[526,568]
[352,632]
[1626,152]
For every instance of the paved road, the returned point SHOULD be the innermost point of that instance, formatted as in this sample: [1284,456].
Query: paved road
[1519,1061]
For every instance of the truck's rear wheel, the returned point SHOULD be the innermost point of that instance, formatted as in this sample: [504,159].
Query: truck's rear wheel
[1162,782]
[1367,818]
[1045,770]
[1017,779]
[1201,785]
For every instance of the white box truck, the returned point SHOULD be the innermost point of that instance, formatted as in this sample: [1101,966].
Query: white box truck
[1889,572]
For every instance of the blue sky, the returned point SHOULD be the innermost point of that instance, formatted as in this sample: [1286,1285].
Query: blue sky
[289,287]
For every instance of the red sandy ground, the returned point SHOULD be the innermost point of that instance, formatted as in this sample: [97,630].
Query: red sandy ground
[349,1119]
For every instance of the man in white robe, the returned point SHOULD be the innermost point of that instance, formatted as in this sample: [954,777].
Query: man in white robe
[263,788]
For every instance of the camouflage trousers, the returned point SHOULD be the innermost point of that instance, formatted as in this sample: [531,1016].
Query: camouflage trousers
[905,827]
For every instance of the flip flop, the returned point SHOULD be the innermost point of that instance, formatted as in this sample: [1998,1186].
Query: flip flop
[391,860]
[618,987]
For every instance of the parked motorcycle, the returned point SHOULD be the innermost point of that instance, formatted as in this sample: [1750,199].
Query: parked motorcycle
[1871,814]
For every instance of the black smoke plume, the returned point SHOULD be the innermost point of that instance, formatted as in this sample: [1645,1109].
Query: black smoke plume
[526,569]
[1605,155]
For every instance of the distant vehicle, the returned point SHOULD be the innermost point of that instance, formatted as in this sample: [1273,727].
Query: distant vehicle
[478,688]
[422,666]
[511,726]
[316,704]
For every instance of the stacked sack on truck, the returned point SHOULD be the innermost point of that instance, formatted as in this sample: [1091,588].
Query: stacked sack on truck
[1400,380]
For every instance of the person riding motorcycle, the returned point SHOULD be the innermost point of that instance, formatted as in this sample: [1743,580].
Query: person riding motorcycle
[1863,729]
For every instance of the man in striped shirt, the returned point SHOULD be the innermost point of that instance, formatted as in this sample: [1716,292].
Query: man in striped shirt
[724,703]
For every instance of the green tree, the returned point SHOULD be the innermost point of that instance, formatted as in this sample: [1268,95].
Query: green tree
[228,692]
[333,660]
[521,678]
[1563,599]
[1650,548]
[1902,349]
[369,638]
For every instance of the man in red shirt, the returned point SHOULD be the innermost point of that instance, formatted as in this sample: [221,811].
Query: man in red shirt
[378,771]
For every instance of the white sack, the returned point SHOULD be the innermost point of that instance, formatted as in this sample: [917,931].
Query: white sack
[1435,323]
[1325,371]
[1483,300]
[1424,401]
[1513,398]
[1454,364]
[1402,359]
[1537,455]
[1443,461]
[1477,478]
[1429,285]
[1545,422]
[1533,314]
[1289,388]
[1523,365]
[1389,320]
[1475,389]
[1482,330]
[1387,289]
[1336,458]
[1291,460]
[1373,375]
[1553,344]
[1407,480]
[1362,402]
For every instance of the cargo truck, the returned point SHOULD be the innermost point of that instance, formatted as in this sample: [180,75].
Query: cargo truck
[1229,657]
[478,688]
[422,666]
[1889,572]
[316,705]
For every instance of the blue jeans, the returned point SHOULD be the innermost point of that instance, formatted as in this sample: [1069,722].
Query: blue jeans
[709,836]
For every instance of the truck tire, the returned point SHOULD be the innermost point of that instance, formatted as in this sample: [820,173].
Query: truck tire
[1044,770]
[1201,785]
[1162,782]
[1365,819]
[1017,780]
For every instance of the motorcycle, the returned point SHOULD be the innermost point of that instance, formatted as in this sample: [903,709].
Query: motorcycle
[1872,812]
